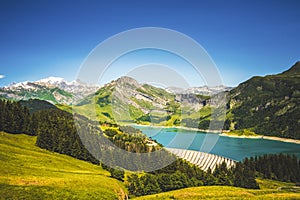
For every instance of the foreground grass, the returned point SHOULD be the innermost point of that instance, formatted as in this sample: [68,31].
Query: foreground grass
[269,190]
[28,172]
[223,192]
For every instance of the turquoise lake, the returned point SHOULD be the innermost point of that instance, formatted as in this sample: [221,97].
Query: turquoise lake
[234,148]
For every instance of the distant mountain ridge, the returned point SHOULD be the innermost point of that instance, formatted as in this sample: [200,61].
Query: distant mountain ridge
[72,87]
[266,105]
[57,90]
[52,89]
[204,90]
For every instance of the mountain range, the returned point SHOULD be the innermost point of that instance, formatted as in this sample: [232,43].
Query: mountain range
[53,89]
[203,90]
[265,105]
[127,101]
[59,91]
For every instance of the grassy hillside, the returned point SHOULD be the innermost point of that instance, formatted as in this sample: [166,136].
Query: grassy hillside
[28,172]
[269,190]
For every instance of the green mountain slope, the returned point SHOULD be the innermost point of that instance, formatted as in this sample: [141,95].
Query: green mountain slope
[264,105]
[127,101]
[28,172]
[268,105]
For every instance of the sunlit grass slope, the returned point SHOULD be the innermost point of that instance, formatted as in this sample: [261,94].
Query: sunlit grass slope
[28,172]
[269,190]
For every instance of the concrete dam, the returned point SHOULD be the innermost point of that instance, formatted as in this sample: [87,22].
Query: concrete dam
[201,159]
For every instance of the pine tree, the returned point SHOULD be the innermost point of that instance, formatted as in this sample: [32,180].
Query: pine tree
[151,185]
[239,180]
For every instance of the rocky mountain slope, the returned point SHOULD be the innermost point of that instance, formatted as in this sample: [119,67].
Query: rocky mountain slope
[203,90]
[126,100]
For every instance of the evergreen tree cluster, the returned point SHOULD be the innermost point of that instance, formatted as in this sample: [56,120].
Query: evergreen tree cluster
[55,128]
[130,139]
[276,166]
[181,174]
[14,118]
[116,173]
[57,132]
[244,176]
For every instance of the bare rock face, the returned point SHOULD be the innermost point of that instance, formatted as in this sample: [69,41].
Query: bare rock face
[203,90]
[191,100]
[128,91]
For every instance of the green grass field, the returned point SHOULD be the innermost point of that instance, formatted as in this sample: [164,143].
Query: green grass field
[28,172]
[270,190]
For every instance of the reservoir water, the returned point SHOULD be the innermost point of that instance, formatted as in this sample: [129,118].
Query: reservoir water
[230,147]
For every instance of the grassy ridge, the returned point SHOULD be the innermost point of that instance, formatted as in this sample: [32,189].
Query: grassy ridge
[270,190]
[28,172]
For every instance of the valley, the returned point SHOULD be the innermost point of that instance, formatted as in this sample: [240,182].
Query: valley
[28,172]
[250,107]
[121,100]
[163,117]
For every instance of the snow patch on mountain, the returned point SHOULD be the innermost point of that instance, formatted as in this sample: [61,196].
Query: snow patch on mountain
[53,89]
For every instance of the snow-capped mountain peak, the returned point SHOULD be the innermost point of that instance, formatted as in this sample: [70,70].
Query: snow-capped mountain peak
[53,89]
[21,84]
[52,80]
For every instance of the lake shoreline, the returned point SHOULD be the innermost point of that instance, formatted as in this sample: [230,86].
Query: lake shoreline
[225,133]
[262,137]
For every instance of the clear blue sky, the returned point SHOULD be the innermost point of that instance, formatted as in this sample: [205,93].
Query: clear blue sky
[51,38]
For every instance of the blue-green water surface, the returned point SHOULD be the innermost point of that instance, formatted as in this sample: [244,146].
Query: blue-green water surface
[230,147]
